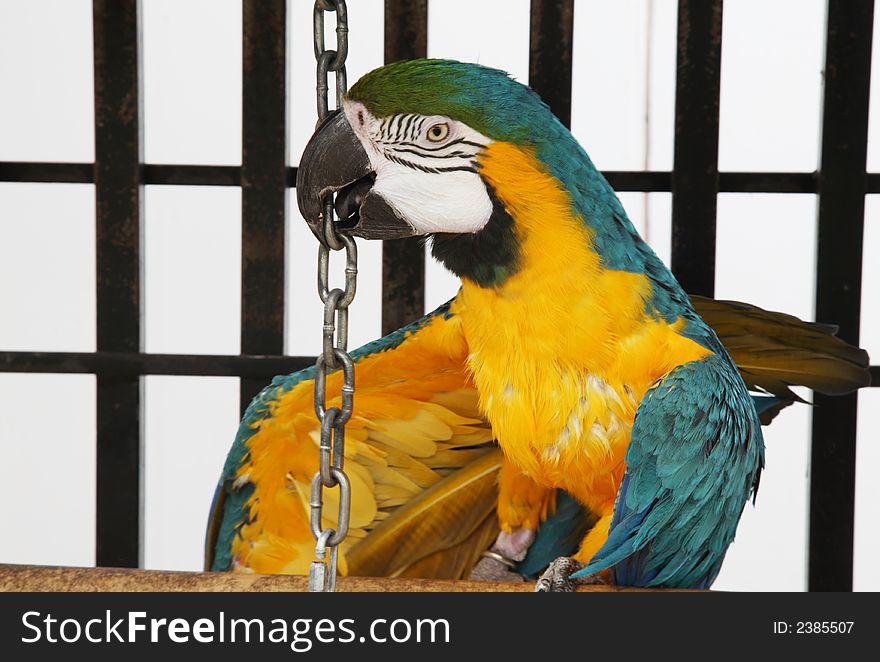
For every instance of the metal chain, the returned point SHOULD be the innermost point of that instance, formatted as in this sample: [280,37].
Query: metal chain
[334,355]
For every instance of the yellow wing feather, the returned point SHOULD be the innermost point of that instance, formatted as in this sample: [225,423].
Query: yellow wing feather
[415,426]
[438,520]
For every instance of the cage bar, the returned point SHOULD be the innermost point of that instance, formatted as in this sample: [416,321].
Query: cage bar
[118,223]
[850,25]
[116,364]
[210,365]
[263,182]
[403,260]
[645,181]
[695,165]
[192,175]
[551,35]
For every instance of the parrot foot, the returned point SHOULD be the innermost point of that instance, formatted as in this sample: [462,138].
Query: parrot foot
[557,577]
[497,564]
[492,569]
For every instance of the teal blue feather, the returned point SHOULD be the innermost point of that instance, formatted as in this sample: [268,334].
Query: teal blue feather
[694,459]
[234,509]
[559,535]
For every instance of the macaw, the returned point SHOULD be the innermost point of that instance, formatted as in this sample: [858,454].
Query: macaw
[570,401]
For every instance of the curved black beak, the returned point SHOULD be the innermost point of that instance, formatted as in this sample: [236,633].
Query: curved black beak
[335,162]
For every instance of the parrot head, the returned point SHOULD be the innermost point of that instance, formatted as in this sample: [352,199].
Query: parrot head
[402,153]
[405,156]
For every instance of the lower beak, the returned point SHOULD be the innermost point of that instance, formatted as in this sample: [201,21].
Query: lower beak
[335,162]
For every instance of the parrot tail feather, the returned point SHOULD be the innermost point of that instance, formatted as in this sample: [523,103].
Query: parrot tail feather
[775,351]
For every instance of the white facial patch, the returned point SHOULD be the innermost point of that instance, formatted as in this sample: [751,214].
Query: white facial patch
[425,168]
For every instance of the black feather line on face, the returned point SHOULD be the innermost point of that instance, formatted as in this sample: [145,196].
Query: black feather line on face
[416,166]
[452,155]
[397,132]
[459,141]
[407,134]
[488,257]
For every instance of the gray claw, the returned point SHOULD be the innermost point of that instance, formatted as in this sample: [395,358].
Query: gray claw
[497,564]
[491,570]
[557,577]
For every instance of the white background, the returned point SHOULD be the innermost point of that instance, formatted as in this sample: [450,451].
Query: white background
[624,65]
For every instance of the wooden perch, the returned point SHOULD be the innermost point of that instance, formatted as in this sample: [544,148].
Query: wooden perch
[52,578]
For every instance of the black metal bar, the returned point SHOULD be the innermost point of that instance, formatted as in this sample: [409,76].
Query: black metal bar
[768,182]
[728,182]
[206,365]
[55,173]
[649,181]
[84,173]
[839,285]
[263,181]
[119,364]
[403,260]
[695,171]
[192,175]
[118,225]
[551,31]
[406,30]
[644,181]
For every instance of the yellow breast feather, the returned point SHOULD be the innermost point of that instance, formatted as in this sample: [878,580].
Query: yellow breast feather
[563,350]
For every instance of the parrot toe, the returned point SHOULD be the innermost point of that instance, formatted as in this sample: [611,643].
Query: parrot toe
[499,563]
[490,569]
[557,577]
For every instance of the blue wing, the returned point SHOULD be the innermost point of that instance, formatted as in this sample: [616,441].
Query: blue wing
[694,458]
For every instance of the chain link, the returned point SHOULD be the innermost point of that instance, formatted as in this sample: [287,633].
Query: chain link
[330,60]
[334,354]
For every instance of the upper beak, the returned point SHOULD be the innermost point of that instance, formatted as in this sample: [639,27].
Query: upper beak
[335,162]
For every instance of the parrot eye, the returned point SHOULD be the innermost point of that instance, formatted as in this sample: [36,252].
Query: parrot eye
[438,132]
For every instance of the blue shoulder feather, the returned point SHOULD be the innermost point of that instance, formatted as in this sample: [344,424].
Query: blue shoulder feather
[694,459]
